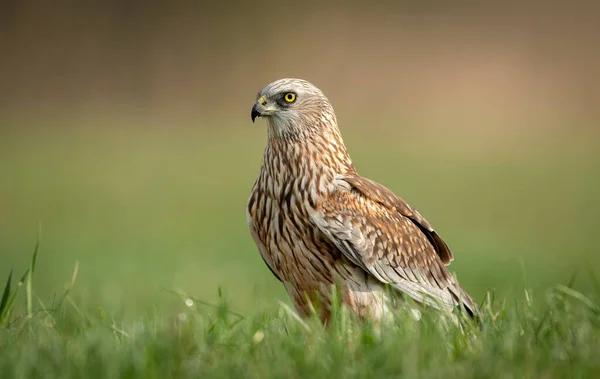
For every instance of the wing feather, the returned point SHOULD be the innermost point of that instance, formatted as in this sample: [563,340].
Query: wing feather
[380,194]
[389,239]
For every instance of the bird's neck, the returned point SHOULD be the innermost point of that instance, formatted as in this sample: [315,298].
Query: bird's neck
[308,165]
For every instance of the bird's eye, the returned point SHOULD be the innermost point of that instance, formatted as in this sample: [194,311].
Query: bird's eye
[290,97]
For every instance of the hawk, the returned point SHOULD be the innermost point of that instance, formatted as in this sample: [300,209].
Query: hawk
[317,223]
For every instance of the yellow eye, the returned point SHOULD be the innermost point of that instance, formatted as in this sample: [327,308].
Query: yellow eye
[290,97]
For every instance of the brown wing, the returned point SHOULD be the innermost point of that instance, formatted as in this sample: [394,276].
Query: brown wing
[382,234]
[388,199]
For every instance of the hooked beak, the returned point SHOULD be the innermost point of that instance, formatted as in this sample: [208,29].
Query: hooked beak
[262,108]
[255,112]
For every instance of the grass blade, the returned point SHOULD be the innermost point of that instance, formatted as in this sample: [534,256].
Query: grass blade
[69,286]
[184,296]
[6,292]
[11,300]
[294,315]
[30,278]
[572,280]
[594,279]
[4,310]
[580,297]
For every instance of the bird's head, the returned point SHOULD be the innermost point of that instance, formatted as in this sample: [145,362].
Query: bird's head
[294,108]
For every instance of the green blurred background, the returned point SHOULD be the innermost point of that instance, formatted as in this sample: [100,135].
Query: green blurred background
[125,132]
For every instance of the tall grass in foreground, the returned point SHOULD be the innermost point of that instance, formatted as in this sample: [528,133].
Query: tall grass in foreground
[551,335]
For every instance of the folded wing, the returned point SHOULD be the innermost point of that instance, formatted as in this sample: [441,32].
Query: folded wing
[389,239]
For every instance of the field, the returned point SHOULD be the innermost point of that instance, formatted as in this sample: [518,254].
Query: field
[169,284]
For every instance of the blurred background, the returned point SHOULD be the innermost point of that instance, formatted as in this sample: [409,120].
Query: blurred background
[125,132]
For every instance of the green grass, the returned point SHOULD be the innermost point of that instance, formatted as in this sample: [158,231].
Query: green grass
[552,335]
[130,214]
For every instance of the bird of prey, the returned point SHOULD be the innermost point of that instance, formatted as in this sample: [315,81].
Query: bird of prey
[317,223]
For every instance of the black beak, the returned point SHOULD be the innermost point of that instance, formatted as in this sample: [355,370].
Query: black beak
[255,113]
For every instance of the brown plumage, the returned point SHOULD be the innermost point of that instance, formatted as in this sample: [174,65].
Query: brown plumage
[317,222]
